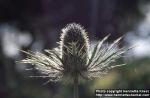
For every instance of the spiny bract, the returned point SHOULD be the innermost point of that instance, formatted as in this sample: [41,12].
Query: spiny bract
[74,57]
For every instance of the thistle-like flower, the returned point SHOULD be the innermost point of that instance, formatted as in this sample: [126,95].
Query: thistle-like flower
[74,59]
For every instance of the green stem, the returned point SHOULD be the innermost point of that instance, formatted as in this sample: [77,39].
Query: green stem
[76,87]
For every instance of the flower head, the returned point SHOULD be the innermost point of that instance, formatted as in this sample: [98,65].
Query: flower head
[72,58]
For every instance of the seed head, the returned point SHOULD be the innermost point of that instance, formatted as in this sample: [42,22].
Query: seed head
[74,46]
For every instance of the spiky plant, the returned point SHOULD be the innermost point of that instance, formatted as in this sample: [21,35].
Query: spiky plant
[74,59]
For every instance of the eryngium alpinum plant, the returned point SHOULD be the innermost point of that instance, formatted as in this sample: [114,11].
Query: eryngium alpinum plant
[74,59]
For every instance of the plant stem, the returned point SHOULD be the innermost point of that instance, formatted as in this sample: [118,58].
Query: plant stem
[76,86]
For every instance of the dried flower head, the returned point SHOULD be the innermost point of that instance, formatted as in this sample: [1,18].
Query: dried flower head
[72,58]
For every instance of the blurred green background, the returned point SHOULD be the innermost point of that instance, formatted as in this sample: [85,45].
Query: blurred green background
[36,25]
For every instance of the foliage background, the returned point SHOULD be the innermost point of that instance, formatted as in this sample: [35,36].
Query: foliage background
[36,25]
